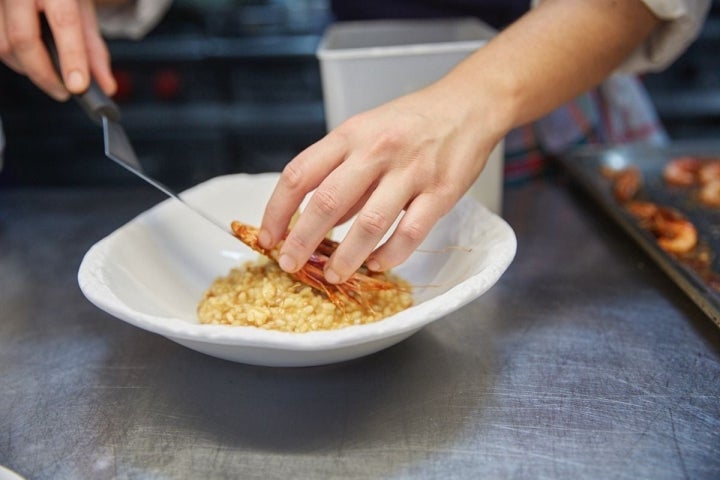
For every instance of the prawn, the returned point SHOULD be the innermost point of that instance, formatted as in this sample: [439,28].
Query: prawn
[709,172]
[311,273]
[626,184]
[673,232]
[682,171]
[678,237]
[643,211]
[709,193]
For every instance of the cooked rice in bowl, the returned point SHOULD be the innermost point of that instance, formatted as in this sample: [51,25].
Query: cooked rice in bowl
[260,294]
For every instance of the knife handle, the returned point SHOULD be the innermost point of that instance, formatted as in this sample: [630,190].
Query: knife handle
[93,100]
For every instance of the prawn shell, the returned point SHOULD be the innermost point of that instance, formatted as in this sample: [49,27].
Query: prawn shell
[312,273]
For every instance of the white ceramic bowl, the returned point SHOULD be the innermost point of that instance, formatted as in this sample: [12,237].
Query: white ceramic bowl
[7,474]
[153,271]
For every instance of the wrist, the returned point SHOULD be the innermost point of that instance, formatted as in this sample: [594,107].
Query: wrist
[488,98]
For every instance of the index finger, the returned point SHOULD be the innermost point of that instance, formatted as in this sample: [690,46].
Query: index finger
[66,25]
[23,34]
[303,174]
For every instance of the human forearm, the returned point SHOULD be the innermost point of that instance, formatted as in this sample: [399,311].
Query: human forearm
[555,52]
[418,154]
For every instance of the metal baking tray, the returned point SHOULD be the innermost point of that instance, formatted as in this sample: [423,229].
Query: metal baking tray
[585,166]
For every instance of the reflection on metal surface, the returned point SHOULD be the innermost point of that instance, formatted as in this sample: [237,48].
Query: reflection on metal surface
[583,362]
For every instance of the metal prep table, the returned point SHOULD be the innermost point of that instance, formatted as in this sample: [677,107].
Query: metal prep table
[584,361]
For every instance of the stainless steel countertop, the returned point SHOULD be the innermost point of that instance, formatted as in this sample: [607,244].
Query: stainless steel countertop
[584,361]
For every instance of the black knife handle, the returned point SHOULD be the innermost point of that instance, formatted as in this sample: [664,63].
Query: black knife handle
[93,100]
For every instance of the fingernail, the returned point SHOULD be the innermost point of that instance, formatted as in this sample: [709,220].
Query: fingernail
[265,239]
[331,276]
[75,81]
[59,93]
[373,265]
[113,86]
[287,263]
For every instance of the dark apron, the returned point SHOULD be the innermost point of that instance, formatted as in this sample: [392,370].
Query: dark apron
[498,13]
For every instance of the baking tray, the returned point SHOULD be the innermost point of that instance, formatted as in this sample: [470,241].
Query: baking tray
[585,166]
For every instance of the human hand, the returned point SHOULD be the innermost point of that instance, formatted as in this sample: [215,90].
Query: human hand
[419,153]
[80,46]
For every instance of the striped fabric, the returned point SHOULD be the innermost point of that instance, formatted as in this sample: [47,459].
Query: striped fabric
[619,111]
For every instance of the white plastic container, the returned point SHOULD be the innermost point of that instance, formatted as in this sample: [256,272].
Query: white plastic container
[367,63]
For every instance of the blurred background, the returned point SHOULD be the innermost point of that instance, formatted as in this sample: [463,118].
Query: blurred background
[234,86]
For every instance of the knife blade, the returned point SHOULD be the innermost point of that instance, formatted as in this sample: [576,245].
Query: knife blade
[118,148]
